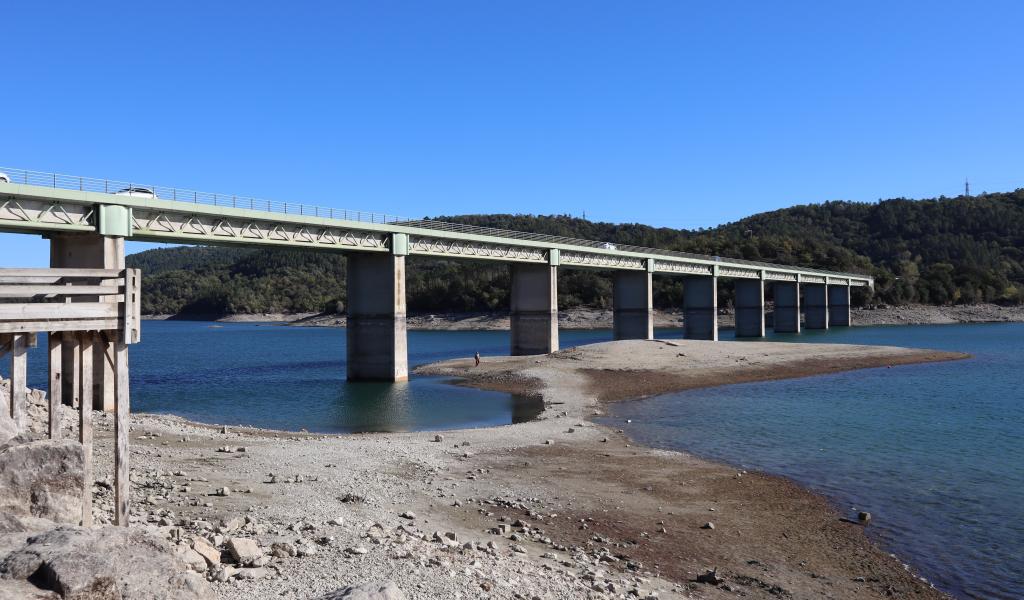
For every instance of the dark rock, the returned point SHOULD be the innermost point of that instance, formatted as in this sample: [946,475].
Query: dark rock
[42,479]
[100,563]
[710,577]
[384,590]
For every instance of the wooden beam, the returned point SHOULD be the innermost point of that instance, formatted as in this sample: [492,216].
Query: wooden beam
[59,273]
[54,396]
[19,393]
[84,349]
[111,324]
[121,425]
[132,306]
[39,311]
[72,370]
[28,291]
[49,279]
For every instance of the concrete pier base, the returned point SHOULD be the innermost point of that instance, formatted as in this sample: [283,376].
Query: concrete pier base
[839,305]
[88,251]
[375,333]
[700,307]
[816,305]
[787,306]
[632,301]
[749,308]
[534,303]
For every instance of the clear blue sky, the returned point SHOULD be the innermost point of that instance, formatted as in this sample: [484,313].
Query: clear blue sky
[680,114]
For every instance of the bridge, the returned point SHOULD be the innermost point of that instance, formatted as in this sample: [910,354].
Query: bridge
[87,221]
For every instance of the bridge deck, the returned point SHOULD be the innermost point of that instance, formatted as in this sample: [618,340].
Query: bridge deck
[41,202]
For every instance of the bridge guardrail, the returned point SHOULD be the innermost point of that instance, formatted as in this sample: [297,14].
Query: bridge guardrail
[108,186]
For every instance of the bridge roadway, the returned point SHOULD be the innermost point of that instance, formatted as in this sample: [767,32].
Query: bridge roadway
[87,221]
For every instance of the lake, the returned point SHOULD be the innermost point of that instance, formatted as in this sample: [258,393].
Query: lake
[292,378]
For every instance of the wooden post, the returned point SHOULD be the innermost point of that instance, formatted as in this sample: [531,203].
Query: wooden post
[85,422]
[72,360]
[121,424]
[19,391]
[54,342]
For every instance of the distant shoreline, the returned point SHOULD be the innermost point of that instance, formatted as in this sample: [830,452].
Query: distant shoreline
[593,318]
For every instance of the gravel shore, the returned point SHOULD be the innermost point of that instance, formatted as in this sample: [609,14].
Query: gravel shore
[554,508]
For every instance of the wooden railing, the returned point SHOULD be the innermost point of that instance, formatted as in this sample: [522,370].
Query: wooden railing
[82,310]
[33,300]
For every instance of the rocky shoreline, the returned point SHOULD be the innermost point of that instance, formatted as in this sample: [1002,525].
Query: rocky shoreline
[555,508]
[593,318]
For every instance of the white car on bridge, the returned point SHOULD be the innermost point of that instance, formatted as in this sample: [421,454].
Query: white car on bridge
[139,192]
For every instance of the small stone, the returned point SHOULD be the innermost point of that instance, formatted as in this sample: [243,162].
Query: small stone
[208,552]
[357,550]
[337,521]
[864,517]
[549,442]
[224,491]
[518,549]
[708,525]
[408,515]
[439,438]
[253,573]
[283,550]
[194,560]
[710,577]
[244,550]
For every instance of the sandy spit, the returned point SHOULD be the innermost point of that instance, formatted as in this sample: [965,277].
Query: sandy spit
[601,517]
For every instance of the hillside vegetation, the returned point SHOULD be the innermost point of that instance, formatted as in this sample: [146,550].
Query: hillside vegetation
[941,251]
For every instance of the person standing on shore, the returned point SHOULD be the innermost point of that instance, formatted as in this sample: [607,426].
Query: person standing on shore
[476,357]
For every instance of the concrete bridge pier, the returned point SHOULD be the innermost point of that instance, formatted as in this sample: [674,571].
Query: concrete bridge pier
[700,307]
[816,305]
[534,304]
[749,308]
[787,306]
[839,305]
[633,307]
[375,331]
[87,251]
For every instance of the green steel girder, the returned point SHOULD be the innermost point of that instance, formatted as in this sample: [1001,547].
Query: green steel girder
[41,209]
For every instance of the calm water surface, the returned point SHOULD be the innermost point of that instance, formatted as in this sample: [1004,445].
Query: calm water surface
[935,452]
[293,378]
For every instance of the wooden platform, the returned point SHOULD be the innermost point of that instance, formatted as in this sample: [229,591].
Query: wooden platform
[83,308]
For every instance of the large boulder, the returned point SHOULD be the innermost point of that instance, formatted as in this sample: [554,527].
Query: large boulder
[43,479]
[102,563]
[384,590]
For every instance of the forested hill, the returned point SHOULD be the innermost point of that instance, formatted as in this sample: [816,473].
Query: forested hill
[942,251]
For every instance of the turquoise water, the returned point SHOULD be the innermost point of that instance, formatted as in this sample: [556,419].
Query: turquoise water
[935,452]
[293,378]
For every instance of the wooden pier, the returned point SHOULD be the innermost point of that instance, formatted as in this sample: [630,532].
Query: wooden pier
[83,309]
